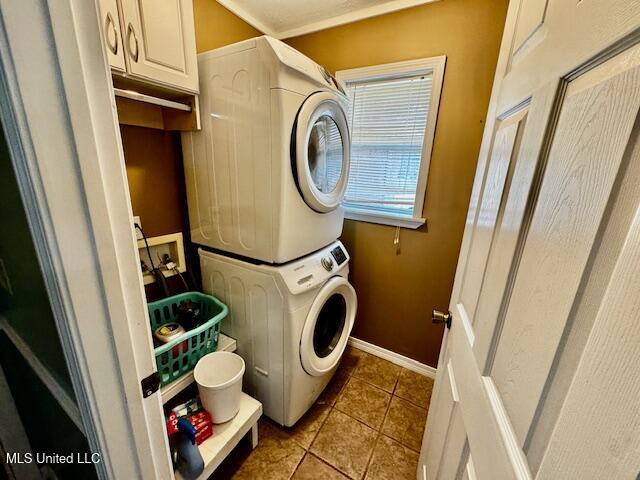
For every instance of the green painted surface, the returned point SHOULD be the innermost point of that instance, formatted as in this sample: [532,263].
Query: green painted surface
[48,427]
[28,309]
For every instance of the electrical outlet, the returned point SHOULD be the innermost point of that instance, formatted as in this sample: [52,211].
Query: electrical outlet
[5,283]
[136,219]
[171,245]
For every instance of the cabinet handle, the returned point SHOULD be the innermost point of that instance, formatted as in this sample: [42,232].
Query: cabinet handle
[131,32]
[110,22]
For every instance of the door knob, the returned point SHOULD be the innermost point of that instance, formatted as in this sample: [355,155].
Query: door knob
[439,317]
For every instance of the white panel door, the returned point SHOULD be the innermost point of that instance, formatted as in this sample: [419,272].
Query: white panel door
[539,375]
[112,34]
[159,39]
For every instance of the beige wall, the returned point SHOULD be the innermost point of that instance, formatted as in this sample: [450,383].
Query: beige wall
[216,26]
[396,293]
[154,157]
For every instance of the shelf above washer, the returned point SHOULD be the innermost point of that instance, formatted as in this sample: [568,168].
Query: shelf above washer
[225,344]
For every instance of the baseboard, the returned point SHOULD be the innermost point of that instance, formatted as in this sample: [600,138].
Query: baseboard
[393,357]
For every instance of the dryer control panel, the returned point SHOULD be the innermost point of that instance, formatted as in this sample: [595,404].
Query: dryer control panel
[312,270]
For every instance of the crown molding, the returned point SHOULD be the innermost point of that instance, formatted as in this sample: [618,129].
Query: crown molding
[356,15]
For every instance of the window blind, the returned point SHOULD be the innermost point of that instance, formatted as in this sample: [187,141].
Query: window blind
[388,120]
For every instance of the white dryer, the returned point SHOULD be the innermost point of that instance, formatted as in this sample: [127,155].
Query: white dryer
[266,174]
[291,323]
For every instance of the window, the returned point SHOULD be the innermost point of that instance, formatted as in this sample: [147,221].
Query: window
[392,118]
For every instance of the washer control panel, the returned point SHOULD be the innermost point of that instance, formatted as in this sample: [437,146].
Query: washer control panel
[312,270]
[339,255]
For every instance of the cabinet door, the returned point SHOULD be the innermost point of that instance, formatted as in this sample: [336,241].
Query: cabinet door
[112,34]
[160,42]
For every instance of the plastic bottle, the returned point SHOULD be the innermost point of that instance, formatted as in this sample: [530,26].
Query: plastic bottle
[190,462]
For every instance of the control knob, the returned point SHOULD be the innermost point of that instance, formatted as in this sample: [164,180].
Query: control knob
[327,263]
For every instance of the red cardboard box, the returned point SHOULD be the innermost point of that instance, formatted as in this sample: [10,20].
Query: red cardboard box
[172,423]
[203,433]
[201,420]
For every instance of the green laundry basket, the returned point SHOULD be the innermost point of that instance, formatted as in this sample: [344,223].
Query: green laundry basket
[181,354]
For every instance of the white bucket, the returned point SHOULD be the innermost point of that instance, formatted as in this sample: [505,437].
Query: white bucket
[219,379]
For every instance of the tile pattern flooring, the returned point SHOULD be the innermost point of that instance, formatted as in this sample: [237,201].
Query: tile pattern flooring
[367,424]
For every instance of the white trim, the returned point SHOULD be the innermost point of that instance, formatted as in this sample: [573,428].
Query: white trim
[466,323]
[510,440]
[471,471]
[396,69]
[435,66]
[334,21]
[382,218]
[393,357]
[452,382]
[59,116]
[61,396]
[141,97]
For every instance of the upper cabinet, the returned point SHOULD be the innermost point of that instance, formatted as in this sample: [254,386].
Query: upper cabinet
[152,41]
[112,35]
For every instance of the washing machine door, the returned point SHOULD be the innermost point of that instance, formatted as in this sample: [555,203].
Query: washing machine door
[321,146]
[328,326]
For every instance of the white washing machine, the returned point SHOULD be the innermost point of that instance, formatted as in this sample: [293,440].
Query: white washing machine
[291,323]
[267,172]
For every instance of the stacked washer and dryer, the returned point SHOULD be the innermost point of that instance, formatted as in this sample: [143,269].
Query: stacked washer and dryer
[265,177]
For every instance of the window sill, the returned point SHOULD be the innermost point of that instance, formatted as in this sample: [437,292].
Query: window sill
[383,218]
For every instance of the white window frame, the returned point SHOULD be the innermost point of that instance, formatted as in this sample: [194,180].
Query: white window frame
[389,71]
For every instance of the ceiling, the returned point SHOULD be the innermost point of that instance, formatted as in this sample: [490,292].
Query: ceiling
[289,18]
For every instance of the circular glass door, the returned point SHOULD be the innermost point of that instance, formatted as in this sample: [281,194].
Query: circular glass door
[322,151]
[324,154]
[328,326]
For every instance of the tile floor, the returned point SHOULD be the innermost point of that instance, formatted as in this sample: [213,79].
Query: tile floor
[367,424]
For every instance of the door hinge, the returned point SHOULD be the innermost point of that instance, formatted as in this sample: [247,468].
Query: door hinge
[439,317]
[150,385]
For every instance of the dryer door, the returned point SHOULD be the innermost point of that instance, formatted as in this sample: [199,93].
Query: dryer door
[328,326]
[321,147]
